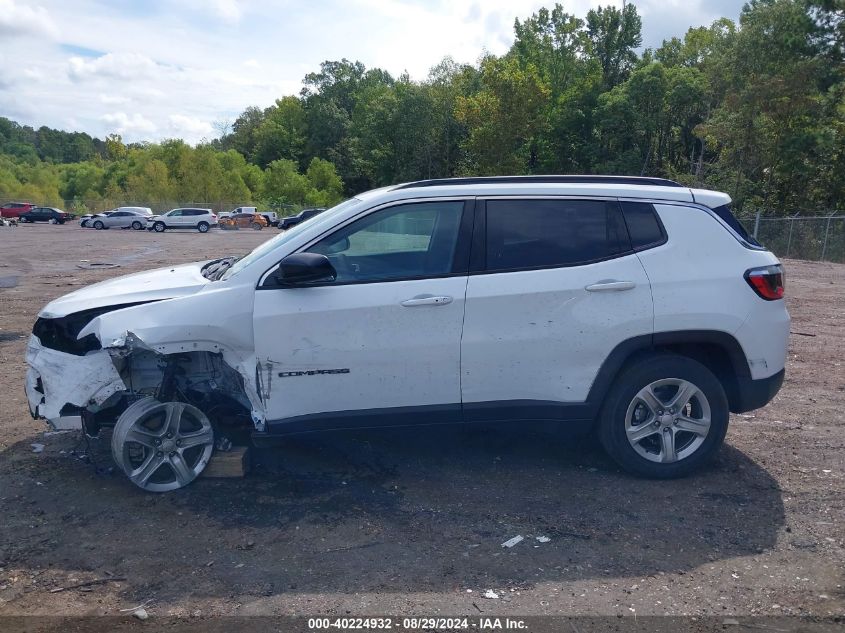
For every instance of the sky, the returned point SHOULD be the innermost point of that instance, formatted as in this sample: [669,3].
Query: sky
[154,69]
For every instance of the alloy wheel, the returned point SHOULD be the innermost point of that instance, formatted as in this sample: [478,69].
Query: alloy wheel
[668,420]
[162,446]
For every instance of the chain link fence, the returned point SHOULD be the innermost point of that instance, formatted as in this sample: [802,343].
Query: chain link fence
[810,237]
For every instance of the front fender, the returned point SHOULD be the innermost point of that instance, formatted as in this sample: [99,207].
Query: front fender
[217,320]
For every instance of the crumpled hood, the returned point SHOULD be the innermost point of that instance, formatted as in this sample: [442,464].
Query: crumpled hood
[150,285]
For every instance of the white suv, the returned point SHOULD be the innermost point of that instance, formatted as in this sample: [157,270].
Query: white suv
[199,219]
[632,306]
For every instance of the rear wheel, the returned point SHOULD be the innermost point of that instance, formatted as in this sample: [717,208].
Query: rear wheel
[203,227]
[159,227]
[665,416]
[99,225]
[136,225]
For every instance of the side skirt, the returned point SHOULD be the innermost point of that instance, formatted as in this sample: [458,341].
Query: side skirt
[573,417]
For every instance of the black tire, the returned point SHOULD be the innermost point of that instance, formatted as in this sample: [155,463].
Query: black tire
[159,227]
[136,225]
[203,227]
[98,225]
[623,395]
[257,226]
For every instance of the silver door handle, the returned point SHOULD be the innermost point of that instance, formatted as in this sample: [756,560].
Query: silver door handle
[606,286]
[427,301]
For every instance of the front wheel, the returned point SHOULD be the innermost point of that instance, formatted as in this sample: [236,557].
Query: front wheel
[159,227]
[665,416]
[99,225]
[136,225]
[162,446]
[203,227]
[256,226]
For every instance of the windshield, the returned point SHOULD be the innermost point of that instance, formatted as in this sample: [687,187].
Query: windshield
[282,238]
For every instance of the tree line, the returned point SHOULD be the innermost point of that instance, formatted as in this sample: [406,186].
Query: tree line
[754,108]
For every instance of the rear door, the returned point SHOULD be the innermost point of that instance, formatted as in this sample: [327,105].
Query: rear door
[556,288]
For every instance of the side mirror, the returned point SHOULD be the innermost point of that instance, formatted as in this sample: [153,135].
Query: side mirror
[304,268]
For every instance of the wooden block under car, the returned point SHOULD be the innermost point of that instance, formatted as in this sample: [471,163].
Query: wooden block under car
[231,463]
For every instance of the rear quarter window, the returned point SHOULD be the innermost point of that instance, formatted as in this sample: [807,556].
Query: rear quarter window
[726,215]
[644,225]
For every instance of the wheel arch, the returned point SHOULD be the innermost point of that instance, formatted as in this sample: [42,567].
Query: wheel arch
[719,351]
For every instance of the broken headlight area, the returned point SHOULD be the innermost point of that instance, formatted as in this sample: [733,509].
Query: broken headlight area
[61,333]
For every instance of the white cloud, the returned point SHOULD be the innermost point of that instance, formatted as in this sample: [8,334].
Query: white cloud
[190,127]
[21,20]
[114,66]
[122,123]
[176,68]
[110,99]
[228,10]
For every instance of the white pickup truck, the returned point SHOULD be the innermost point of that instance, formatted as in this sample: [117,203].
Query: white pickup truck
[271,216]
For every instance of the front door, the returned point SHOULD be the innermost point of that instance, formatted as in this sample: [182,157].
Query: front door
[381,343]
[559,288]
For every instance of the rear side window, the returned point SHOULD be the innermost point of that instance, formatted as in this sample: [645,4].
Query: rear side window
[727,216]
[643,225]
[550,233]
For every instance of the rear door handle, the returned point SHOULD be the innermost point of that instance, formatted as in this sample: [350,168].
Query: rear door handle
[441,300]
[609,286]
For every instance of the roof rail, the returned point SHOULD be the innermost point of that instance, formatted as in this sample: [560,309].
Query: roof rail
[589,179]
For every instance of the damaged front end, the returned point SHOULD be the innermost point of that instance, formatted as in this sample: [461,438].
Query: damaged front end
[66,373]
[83,376]
[165,357]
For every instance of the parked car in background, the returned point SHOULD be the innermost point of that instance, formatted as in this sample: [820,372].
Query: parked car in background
[244,220]
[45,214]
[270,216]
[183,218]
[286,223]
[86,218]
[14,209]
[122,217]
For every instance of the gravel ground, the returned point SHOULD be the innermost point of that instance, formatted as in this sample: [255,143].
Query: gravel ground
[411,522]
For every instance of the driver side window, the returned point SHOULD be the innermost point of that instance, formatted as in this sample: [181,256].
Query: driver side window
[400,242]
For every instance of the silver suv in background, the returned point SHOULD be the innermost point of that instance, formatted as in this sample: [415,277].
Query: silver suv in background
[183,218]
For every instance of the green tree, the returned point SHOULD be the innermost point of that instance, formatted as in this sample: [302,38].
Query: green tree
[503,119]
[614,36]
[282,132]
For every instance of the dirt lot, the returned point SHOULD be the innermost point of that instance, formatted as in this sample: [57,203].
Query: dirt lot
[411,522]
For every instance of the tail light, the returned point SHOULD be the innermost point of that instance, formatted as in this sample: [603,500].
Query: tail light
[767,281]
